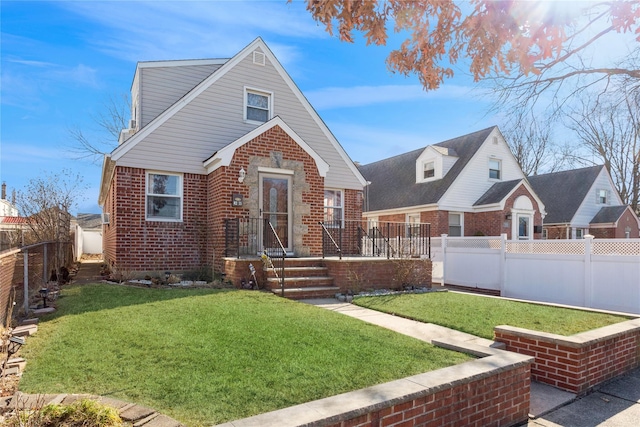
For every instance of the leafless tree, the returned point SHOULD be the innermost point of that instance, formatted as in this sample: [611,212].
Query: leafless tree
[532,144]
[609,129]
[109,122]
[45,202]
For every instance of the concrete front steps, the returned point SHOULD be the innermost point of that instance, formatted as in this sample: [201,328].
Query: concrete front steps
[303,278]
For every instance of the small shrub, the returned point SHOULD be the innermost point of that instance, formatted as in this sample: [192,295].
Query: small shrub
[82,413]
[202,274]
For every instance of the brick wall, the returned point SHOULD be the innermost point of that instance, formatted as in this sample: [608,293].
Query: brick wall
[133,244]
[493,391]
[580,362]
[557,232]
[363,274]
[355,274]
[439,221]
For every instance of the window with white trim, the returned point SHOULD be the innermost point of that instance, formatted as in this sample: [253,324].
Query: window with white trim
[455,224]
[333,208]
[164,197]
[579,233]
[495,169]
[602,197]
[429,170]
[258,106]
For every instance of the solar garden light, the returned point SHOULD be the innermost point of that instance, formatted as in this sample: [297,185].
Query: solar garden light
[14,345]
[44,292]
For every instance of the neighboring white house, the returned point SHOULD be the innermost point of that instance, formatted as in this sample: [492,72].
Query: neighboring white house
[465,186]
[584,201]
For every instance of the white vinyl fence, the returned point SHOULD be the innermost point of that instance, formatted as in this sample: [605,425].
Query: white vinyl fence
[595,273]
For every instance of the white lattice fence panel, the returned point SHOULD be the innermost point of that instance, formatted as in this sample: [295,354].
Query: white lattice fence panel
[623,247]
[561,247]
[474,243]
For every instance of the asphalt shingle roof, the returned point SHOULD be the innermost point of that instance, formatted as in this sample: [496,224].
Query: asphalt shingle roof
[89,221]
[393,180]
[497,192]
[608,214]
[563,192]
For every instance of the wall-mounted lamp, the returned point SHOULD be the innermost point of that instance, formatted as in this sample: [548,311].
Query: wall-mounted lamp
[508,217]
[241,174]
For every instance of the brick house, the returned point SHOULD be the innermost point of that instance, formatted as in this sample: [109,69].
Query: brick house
[216,140]
[584,201]
[466,186]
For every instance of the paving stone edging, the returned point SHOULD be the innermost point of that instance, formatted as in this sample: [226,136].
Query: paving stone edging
[139,416]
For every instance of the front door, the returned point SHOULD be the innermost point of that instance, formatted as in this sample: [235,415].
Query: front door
[275,206]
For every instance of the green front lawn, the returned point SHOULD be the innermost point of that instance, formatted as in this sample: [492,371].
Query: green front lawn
[207,356]
[478,315]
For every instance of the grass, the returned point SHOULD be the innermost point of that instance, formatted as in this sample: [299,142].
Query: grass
[478,315]
[207,357]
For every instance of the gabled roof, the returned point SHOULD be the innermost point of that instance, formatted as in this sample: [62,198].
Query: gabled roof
[18,220]
[224,156]
[126,146]
[563,192]
[497,192]
[608,214]
[393,180]
[89,221]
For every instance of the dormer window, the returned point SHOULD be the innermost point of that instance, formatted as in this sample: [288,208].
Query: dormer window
[495,169]
[258,106]
[429,170]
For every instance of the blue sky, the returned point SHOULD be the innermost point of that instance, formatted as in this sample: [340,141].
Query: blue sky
[62,60]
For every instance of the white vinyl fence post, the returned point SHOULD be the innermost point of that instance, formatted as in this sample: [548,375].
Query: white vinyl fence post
[503,264]
[444,258]
[588,280]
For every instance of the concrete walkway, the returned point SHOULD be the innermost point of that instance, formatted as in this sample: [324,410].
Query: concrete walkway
[88,272]
[544,398]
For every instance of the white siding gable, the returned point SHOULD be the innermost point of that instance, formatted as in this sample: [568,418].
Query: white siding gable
[590,205]
[473,181]
[211,117]
[160,86]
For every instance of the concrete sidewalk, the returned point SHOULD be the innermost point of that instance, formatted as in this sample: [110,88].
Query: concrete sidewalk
[544,399]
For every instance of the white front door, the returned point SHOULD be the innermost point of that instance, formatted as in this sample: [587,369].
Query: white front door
[275,206]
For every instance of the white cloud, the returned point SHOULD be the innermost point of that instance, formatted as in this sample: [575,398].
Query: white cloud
[358,96]
[192,29]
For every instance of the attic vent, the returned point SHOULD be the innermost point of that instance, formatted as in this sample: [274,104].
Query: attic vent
[495,140]
[258,58]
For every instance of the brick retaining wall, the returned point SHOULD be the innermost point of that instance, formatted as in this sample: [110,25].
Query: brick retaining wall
[492,391]
[579,362]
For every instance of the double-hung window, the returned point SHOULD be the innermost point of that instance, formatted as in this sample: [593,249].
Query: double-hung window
[602,197]
[164,197]
[455,224]
[429,170]
[258,106]
[494,169]
[333,208]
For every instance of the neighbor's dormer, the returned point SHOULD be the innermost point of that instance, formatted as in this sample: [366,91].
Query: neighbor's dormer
[434,163]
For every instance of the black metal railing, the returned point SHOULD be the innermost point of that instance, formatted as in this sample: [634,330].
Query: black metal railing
[327,236]
[274,252]
[247,237]
[376,239]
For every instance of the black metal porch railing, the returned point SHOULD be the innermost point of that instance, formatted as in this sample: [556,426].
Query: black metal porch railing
[341,238]
[376,239]
[274,252]
[257,237]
